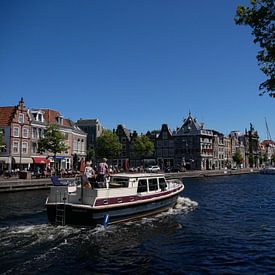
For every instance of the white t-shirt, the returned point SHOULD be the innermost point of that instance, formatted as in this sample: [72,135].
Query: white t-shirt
[89,171]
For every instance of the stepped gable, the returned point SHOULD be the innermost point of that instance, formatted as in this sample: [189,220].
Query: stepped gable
[6,115]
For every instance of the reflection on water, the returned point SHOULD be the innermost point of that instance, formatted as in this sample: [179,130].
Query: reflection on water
[219,225]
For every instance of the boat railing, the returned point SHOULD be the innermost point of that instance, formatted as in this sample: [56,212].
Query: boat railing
[173,183]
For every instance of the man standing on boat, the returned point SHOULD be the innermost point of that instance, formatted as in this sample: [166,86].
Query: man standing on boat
[89,172]
[103,171]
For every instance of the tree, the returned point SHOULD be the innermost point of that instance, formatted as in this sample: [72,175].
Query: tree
[237,157]
[90,154]
[53,141]
[260,17]
[108,145]
[143,146]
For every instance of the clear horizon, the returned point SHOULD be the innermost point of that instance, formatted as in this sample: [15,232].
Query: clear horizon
[139,64]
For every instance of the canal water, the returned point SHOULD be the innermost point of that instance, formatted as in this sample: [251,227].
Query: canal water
[221,225]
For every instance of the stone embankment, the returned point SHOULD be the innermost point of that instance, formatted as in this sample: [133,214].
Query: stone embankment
[210,173]
[14,184]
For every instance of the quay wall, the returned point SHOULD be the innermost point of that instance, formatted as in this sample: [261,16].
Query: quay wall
[14,185]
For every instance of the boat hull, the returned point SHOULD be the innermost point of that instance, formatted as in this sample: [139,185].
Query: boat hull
[90,216]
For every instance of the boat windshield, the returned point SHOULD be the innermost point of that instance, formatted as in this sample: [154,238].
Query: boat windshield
[122,182]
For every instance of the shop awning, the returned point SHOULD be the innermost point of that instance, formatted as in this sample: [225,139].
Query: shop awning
[40,160]
[23,160]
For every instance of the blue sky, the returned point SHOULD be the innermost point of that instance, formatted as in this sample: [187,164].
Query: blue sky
[137,63]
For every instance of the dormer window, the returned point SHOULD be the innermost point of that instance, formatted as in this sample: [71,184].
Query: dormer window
[40,117]
[59,120]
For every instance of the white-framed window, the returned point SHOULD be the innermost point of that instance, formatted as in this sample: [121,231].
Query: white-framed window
[34,132]
[25,132]
[34,147]
[21,118]
[40,117]
[16,131]
[15,147]
[25,148]
[82,145]
[78,145]
[75,145]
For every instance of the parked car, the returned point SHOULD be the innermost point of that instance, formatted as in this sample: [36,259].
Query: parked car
[153,169]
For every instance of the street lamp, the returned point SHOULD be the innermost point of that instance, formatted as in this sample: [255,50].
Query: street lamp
[20,152]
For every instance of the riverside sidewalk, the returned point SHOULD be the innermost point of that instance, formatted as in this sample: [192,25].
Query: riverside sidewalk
[14,184]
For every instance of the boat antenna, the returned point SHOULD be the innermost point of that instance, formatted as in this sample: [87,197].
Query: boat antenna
[267,131]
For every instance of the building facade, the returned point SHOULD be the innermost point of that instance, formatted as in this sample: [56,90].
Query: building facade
[15,126]
[164,148]
[193,145]
[93,128]
[22,128]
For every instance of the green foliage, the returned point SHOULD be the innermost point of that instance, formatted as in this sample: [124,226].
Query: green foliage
[108,145]
[260,17]
[53,141]
[237,157]
[90,154]
[143,146]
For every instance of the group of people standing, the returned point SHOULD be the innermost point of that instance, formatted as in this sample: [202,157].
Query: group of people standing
[91,177]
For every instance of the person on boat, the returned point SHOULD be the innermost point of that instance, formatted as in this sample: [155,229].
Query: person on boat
[103,171]
[89,172]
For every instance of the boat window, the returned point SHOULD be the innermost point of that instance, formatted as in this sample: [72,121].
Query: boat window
[142,186]
[153,184]
[122,182]
[162,184]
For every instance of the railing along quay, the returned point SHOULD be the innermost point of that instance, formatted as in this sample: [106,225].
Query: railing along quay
[13,185]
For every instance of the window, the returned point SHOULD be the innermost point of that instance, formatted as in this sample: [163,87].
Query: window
[122,182]
[16,132]
[34,132]
[78,145]
[153,184]
[82,145]
[34,147]
[21,118]
[25,132]
[162,184]
[15,147]
[142,186]
[40,117]
[25,148]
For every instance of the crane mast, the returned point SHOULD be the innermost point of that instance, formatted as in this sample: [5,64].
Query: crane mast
[267,131]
